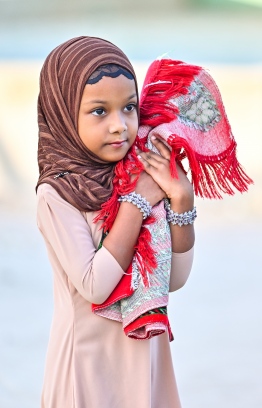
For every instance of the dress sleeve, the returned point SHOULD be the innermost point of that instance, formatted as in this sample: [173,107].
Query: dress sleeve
[70,246]
[180,269]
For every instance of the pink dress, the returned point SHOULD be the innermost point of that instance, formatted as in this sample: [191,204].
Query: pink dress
[90,362]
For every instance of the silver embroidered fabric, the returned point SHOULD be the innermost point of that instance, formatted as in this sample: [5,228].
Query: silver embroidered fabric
[156,295]
[198,107]
[144,298]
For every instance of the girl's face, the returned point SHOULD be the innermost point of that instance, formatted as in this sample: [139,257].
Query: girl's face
[108,120]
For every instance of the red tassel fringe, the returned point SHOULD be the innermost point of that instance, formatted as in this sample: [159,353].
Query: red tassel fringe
[165,79]
[210,174]
[221,173]
[180,150]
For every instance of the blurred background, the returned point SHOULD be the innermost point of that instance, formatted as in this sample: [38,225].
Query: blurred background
[216,317]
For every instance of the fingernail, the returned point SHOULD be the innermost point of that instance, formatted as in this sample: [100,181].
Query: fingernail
[153,138]
[139,157]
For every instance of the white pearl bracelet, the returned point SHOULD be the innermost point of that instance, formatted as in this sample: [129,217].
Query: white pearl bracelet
[185,218]
[139,201]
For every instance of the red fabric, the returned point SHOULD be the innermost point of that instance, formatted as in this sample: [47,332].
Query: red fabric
[181,104]
[121,291]
[150,320]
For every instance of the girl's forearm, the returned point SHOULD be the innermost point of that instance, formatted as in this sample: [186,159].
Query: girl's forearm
[123,235]
[183,238]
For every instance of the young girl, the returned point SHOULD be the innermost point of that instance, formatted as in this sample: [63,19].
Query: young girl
[88,117]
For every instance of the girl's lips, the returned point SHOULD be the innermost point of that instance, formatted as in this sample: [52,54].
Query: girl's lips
[119,143]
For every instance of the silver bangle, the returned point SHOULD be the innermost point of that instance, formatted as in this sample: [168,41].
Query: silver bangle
[185,218]
[139,201]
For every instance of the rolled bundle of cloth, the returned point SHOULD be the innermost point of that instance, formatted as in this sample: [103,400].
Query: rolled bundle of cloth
[181,105]
[141,304]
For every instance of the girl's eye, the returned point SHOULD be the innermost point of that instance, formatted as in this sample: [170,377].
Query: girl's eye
[98,112]
[130,107]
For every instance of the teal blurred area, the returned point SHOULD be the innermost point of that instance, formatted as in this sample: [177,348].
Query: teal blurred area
[216,317]
[213,31]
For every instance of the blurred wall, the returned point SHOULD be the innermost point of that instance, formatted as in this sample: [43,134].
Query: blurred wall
[222,39]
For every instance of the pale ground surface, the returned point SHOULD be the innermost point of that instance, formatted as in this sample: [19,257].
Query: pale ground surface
[216,317]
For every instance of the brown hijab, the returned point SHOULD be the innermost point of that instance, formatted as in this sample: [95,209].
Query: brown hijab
[88,183]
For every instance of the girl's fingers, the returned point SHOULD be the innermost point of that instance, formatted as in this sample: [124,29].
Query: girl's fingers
[148,160]
[154,159]
[161,147]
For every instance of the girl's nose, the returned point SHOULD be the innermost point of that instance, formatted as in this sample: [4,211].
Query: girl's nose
[117,124]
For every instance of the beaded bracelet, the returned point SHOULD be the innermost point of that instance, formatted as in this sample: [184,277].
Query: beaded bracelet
[179,219]
[139,201]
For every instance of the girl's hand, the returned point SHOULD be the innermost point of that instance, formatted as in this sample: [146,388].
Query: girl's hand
[148,188]
[179,191]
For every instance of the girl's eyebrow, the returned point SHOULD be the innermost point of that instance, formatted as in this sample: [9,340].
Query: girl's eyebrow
[132,96]
[104,102]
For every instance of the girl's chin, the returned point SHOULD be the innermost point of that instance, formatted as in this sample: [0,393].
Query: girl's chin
[117,152]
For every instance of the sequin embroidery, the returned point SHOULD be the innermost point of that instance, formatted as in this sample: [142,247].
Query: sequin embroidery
[198,108]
